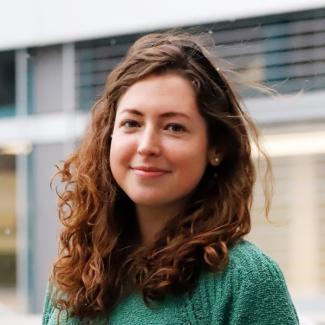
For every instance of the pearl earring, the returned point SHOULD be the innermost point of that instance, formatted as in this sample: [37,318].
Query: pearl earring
[215,161]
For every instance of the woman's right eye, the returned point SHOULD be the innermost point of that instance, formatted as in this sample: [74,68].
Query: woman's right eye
[130,124]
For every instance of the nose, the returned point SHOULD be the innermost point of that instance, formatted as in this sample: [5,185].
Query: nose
[149,142]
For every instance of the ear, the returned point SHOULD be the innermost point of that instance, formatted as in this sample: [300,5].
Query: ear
[214,157]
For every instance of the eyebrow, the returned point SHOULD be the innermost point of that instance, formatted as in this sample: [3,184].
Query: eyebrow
[164,115]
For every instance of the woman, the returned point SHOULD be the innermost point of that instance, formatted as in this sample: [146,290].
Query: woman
[157,201]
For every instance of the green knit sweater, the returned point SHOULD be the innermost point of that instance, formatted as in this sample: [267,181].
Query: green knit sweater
[251,290]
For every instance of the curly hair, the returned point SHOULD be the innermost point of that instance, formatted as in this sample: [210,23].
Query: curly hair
[101,258]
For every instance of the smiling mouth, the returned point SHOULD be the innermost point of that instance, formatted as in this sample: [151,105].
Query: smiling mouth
[144,171]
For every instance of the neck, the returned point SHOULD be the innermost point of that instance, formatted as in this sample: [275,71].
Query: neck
[152,220]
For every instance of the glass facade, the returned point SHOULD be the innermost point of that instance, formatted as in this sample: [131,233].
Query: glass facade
[285,52]
[7,83]
[8,229]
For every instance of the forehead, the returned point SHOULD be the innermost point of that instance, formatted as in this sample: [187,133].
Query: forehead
[158,93]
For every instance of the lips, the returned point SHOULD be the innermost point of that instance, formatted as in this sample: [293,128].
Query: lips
[149,171]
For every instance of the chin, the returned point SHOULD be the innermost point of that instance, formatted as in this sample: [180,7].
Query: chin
[149,200]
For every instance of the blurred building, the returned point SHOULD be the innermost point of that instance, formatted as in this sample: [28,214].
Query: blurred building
[48,83]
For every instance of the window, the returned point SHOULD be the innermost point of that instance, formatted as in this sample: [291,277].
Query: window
[7,230]
[7,83]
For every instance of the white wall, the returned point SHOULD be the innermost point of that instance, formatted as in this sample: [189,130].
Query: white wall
[40,22]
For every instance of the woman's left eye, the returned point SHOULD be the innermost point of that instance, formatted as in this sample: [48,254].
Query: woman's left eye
[176,128]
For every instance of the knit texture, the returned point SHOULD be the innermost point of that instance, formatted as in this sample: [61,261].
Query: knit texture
[251,290]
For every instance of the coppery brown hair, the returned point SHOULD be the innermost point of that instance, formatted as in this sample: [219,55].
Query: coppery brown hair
[101,258]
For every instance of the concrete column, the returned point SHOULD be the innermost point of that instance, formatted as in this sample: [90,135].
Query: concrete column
[45,85]
[21,70]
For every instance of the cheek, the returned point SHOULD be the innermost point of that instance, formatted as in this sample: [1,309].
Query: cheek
[192,156]
[121,153]
[115,157]
[191,165]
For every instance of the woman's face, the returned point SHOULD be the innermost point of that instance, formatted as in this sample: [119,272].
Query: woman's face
[159,148]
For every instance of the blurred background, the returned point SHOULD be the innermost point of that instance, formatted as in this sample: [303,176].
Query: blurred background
[54,59]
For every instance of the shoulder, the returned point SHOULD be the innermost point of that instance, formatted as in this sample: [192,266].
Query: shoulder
[48,303]
[247,262]
[246,252]
[251,289]
[251,268]
[249,259]
[51,315]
